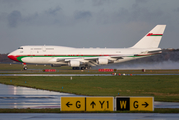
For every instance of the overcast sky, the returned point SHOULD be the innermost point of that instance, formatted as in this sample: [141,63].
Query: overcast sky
[85,23]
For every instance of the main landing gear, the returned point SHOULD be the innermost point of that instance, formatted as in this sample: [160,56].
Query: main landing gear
[76,68]
[81,68]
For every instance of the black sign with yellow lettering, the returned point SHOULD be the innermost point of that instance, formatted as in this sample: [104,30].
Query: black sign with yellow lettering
[123,104]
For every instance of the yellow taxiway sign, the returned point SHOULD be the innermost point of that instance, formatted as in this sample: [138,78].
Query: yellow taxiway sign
[141,103]
[73,104]
[99,103]
[135,103]
[87,104]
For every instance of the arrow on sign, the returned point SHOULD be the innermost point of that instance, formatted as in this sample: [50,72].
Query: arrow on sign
[93,104]
[68,104]
[146,104]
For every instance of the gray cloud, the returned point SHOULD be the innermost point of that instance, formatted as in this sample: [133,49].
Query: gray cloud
[141,1]
[79,1]
[14,18]
[144,14]
[53,16]
[95,23]
[137,13]
[176,10]
[54,11]
[101,2]
[82,15]
[11,2]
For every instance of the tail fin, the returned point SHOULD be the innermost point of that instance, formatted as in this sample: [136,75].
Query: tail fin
[151,39]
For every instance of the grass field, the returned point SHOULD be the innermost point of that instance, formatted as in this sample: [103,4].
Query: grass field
[163,88]
[19,67]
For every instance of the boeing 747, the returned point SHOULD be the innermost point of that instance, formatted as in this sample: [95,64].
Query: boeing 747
[84,58]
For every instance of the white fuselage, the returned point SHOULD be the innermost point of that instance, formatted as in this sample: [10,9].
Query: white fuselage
[62,55]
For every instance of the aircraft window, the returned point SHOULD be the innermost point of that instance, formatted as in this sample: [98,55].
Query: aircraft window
[37,48]
[49,48]
[20,48]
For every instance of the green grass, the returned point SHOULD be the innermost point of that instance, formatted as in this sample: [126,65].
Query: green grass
[19,67]
[163,88]
[56,110]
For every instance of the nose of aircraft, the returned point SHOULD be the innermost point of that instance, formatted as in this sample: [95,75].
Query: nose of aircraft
[12,57]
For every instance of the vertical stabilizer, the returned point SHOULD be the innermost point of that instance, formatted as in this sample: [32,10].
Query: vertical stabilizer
[151,39]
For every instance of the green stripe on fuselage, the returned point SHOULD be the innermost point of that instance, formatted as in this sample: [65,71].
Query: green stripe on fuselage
[20,57]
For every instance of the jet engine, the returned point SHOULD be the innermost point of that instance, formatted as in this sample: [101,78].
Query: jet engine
[102,61]
[74,63]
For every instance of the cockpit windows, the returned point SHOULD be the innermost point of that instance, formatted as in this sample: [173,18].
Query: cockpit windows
[20,48]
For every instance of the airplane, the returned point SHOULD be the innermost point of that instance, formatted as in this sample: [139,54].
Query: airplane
[85,58]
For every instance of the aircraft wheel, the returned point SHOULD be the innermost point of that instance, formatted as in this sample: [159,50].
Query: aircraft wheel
[76,68]
[88,67]
[25,68]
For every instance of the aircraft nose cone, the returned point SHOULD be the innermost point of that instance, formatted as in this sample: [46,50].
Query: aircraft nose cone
[12,57]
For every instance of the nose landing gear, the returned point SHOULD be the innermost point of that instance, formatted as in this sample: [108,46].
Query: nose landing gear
[25,66]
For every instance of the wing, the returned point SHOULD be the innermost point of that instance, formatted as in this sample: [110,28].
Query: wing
[92,61]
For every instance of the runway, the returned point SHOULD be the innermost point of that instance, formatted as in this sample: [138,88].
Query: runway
[89,116]
[55,75]
[22,97]
[81,74]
